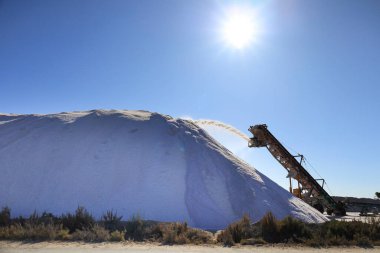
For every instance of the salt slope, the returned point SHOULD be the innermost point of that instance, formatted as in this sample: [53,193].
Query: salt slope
[135,162]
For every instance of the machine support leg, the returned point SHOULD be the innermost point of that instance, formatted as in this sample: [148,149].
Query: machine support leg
[299,187]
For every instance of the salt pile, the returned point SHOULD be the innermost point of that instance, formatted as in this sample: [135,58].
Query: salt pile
[134,162]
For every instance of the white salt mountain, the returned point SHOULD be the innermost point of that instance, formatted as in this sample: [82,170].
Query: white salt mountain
[134,162]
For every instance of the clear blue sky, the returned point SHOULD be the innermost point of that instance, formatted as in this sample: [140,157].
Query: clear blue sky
[313,75]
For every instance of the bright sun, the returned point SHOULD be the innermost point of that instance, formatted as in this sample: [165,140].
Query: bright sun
[239,28]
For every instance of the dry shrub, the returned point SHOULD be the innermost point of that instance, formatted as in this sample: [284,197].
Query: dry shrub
[198,236]
[175,233]
[63,234]
[41,232]
[95,234]
[253,241]
[154,232]
[117,236]
[38,232]
[170,237]
[13,232]
[180,233]
[83,235]
[225,237]
[101,233]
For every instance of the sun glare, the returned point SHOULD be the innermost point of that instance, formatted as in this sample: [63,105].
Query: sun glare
[239,28]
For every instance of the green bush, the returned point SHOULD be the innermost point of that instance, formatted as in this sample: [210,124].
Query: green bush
[48,218]
[34,219]
[135,229]
[294,230]
[338,241]
[19,220]
[374,228]
[81,220]
[270,228]
[241,229]
[111,221]
[336,229]
[363,241]
[238,231]
[5,217]
[336,233]
[315,242]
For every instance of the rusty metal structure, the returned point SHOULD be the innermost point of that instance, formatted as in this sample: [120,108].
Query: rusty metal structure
[307,188]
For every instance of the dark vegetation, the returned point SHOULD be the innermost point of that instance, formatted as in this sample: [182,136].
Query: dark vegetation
[292,231]
[81,226]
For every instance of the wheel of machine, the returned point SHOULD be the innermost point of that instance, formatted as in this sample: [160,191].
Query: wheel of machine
[341,209]
[329,211]
[319,207]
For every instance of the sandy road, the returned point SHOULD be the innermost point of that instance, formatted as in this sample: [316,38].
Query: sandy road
[59,247]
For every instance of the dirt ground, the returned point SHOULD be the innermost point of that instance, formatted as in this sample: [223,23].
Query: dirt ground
[76,247]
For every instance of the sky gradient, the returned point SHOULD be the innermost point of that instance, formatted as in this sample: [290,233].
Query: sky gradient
[312,75]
